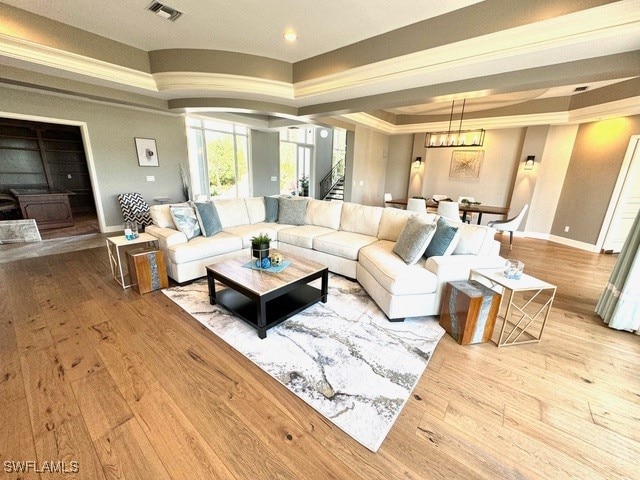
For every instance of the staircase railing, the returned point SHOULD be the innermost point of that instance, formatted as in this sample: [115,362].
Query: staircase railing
[331,179]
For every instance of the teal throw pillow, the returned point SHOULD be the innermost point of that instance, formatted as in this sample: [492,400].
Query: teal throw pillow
[441,240]
[185,220]
[271,209]
[413,239]
[208,218]
[292,211]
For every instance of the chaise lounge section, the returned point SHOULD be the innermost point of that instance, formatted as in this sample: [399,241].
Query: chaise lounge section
[355,241]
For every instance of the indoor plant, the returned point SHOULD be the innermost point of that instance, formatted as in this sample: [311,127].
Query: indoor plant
[260,245]
[304,186]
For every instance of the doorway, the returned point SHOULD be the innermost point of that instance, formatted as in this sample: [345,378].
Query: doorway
[625,201]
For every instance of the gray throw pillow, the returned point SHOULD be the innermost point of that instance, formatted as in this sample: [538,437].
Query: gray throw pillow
[185,219]
[442,237]
[208,218]
[291,211]
[271,209]
[413,239]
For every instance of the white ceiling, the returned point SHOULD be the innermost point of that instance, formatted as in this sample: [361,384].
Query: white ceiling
[245,26]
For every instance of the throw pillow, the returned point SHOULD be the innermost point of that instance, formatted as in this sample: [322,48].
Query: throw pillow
[442,239]
[291,211]
[414,238]
[186,220]
[271,209]
[208,218]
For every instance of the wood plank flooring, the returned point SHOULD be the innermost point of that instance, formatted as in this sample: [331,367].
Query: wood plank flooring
[132,387]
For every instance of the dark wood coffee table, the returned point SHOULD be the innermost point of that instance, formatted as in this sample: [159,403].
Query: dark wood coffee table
[264,299]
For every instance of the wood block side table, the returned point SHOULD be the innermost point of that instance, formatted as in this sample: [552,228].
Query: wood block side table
[147,269]
[117,246]
[469,310]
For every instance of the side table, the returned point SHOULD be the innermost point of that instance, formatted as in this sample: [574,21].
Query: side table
[116,246]
[147,269]
[469,310]
[526,313]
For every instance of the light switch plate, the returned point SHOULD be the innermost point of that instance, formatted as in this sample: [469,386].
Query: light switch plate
[274,179]
[151,178]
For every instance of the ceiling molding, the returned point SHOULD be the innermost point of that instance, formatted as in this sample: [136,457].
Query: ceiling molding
[190,83]
[42,55]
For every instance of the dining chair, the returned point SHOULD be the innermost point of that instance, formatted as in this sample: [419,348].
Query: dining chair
[449,210]
[471,217]
[387,198]
[510,225]
[417,205]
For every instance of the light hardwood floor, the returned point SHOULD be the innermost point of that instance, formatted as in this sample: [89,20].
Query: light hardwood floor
[130,386]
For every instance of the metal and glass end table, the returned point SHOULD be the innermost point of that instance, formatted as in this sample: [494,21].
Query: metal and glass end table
[116,246]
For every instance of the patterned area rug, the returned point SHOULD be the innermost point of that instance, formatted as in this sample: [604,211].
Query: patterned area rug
[343,358]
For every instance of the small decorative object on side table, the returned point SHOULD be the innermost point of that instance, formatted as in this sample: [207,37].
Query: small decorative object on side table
[469,311]
[528,304]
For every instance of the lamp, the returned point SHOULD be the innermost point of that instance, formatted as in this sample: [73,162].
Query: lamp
[459,138]
[417,163]
[528,163]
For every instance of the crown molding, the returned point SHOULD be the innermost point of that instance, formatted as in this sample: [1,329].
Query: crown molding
[190,83]
[34,53]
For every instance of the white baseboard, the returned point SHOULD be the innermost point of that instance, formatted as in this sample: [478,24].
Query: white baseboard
[113,228]
[556,239]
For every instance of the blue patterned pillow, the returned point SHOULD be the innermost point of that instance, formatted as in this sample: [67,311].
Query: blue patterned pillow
[185,220]
[271,209]
[441,240]
[208,218]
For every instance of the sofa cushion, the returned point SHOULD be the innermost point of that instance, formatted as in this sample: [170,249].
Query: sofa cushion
[360,219]
[474,239]
[444,239]
[185,219]
[343,244]
[303,235]
[205,247]
[232,212]
[271,209]
[255,209]
[161,214]
[392,222]
[245,232]
[414,238]
[393,274]
[292,211]
[324,214]
[208,218]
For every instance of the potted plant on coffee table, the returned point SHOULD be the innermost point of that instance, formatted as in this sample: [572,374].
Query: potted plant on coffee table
[260,245]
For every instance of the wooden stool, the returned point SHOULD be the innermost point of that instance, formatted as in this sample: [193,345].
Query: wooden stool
[469,310]
[147,269]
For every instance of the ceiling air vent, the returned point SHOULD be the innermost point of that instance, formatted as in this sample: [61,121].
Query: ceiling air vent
[164,11]
[580,89]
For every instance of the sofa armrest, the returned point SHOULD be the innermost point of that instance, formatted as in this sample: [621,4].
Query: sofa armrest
[167,237]
[457,267]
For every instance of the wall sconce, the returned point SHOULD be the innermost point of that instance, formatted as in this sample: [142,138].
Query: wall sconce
[417,163]
[528,163]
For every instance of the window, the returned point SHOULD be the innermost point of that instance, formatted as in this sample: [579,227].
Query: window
[221,153]
[339,151]
[296,149]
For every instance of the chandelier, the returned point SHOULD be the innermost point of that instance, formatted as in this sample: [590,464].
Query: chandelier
[455,138]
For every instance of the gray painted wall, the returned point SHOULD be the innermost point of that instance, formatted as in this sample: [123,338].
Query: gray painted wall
[396,179]
[110,143]
[265,162]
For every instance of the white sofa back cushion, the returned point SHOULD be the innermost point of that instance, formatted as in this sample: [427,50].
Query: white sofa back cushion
[255,209]
[232,212]
[161,214]
[474,240]
[324,214]
[360,219]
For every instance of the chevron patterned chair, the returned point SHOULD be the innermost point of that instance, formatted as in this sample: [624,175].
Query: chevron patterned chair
[135,209]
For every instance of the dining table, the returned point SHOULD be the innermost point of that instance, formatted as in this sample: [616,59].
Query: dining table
[465,208]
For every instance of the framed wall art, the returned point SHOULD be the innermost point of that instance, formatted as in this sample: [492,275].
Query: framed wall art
[147,152]
[466,163]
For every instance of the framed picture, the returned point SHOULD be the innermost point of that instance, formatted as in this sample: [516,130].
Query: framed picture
[466,163]
[147,152]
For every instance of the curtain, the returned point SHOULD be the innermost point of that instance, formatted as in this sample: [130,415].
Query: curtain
[619,304]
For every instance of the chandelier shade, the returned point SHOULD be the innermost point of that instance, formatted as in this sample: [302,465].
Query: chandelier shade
[455,138]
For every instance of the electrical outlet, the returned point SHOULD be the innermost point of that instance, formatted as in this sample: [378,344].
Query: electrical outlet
[566,228]
[151,178]
[69,175]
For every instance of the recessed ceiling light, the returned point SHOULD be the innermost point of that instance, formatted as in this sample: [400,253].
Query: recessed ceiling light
[164,11]
[290,36]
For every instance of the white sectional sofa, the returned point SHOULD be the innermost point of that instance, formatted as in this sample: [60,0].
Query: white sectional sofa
[356,241]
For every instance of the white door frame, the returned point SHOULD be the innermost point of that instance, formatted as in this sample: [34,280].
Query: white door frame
[97,199]
[634,143]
